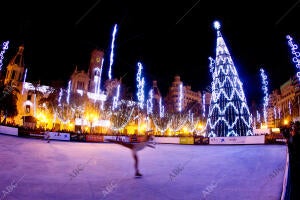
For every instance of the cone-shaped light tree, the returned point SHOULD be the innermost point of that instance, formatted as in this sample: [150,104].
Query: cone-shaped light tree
[228,111]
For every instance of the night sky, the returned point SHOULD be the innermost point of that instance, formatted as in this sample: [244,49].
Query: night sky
[169,38]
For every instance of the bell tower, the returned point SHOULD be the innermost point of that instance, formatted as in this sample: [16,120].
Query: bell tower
[15,68]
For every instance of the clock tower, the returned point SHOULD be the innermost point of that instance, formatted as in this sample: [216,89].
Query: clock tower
[95,70]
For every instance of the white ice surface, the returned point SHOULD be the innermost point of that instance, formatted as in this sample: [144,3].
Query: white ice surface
[41,171]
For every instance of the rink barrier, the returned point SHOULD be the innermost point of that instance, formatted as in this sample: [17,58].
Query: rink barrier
[196,140]
[7,130]
[286,184]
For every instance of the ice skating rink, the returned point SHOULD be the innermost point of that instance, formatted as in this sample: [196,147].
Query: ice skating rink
[32,169]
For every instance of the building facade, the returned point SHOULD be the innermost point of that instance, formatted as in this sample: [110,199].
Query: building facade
[180,97]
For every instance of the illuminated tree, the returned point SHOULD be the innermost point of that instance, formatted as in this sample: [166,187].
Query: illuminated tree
[177,121]
[121,116]
[161,123]
[192,122]
[228,111]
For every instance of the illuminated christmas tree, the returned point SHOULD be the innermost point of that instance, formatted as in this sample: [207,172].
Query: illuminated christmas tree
[228,111]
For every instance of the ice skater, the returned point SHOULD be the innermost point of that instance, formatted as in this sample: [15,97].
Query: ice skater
[135,147]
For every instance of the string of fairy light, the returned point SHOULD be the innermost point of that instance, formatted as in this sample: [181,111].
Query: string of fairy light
[264,78]
[112,51]
[116,98]
[68,92]
[150,103]
[295,54]
[180,97]
[140,85]
[25,76]
[161,109]
[4,48]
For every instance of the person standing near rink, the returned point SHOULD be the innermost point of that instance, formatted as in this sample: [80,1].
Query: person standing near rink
[47,136]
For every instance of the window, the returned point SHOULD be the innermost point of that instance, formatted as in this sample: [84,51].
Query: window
[27,108]
[13,74]
[80,85]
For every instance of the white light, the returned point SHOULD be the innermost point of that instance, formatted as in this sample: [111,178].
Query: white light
[68,92]
[60,96]
[116,98]
[266,95]
[80,92]
[99,97]
[161,109]
[203,105]
[217,25]
[140,86]
[180,98]
[24,80]
[150,103]
[112,51]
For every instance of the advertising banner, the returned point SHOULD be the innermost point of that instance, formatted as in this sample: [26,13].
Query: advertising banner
[117,138]
[201,140]
[186,140]
[57,136]
[37,135]
[94,138]
[167,140]
[238,140]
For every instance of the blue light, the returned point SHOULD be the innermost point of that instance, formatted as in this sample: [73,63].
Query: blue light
[296,54]
[5,46]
